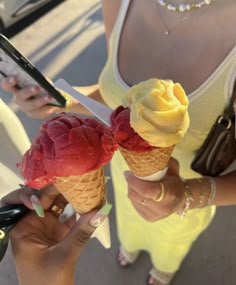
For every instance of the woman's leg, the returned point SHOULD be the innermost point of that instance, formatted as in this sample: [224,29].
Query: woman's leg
[167,240]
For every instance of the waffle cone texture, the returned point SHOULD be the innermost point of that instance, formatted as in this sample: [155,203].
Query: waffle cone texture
[84,192]
[147,163]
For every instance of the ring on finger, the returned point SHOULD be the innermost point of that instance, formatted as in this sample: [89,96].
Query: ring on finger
[161,195]
[56,210]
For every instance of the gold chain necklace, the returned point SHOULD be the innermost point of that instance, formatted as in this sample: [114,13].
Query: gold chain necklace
[167,29]
[183,7]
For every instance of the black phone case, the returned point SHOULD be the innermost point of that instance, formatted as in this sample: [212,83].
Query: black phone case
[13,63]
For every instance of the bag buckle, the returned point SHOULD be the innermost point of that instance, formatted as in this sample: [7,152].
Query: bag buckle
[222,120]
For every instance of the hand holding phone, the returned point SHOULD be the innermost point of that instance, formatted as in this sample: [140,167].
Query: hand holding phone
[13,63]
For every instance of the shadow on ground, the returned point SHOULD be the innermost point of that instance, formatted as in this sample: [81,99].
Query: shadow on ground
[30,19]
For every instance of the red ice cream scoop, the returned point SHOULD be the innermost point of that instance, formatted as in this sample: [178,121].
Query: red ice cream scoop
[125,134]
[66,146]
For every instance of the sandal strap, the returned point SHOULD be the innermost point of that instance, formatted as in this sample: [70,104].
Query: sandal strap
[130,256]
[164,277]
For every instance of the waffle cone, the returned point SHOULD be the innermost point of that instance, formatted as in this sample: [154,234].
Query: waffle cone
[84,192]
[147,163]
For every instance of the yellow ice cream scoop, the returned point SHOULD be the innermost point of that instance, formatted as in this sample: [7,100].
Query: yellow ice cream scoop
[158,111]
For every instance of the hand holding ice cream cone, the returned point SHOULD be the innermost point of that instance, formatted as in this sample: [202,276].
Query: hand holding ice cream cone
[147,127]
[153,119]
[155,200]
[71,152]
[43,246]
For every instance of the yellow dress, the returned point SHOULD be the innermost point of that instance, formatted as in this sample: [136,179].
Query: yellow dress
[167,240]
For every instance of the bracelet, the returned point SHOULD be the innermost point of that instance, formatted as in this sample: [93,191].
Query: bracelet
[203,195]
[206,197]
[213,190]
[189,200]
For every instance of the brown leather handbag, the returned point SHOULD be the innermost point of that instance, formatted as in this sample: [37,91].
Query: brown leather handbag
[219,148]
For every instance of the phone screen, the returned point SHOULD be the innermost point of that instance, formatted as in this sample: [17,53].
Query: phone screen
[13,63]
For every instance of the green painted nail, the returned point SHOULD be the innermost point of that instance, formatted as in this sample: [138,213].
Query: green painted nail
[101,215]
[107,178]
[105,210]
[37,205]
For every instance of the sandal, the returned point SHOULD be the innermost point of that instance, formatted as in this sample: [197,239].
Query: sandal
[126,258]
[157,277]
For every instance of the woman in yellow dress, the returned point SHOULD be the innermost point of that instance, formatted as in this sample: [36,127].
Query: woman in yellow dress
[175,40]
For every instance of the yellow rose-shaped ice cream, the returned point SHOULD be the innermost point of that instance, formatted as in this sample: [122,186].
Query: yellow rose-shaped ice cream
[158,111]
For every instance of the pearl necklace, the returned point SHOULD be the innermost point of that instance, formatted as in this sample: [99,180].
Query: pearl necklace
[183,7]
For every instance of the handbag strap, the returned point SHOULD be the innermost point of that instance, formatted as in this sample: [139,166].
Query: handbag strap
[229,111]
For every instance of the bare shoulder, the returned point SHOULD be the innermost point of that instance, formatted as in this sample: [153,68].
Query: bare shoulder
[110,11]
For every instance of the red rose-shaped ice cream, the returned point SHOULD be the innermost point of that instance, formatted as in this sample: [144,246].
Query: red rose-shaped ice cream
[66,146]
[125,134]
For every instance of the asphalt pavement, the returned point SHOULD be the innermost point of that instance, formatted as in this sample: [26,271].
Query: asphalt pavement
[68,42]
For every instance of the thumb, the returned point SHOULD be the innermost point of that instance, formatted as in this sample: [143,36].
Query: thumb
[79,235]
[135,183]
[173,167]
[82,230]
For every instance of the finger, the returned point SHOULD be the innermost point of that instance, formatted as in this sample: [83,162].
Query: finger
[24,195]
[30,99]
[8,84]
[144,212]
[25,93]
[58,205]
[20,196]
[67,213]
[149,206]
[49,195]
[135,197]
[42,112]
[146,189]
[78,236]
[149,212]
[173,167]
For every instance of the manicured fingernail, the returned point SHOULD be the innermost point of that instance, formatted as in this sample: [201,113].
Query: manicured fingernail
[11,80]
[47,98]
[37,205]
[34,89]
[107,178]
[101,215]
[126,174]
[63,217]
[67,213]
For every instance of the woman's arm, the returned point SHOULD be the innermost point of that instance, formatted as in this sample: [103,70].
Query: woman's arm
[218,191]
[225,190]
[37,107]
[198,192]
[90,91]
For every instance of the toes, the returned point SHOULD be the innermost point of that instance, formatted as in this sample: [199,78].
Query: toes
[153,281]
[122,260]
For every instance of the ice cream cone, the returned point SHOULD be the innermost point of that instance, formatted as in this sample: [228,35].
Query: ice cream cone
[84,192]
[151,121]
[144,164]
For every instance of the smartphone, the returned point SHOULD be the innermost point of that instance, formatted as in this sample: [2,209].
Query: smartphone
[13,63]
